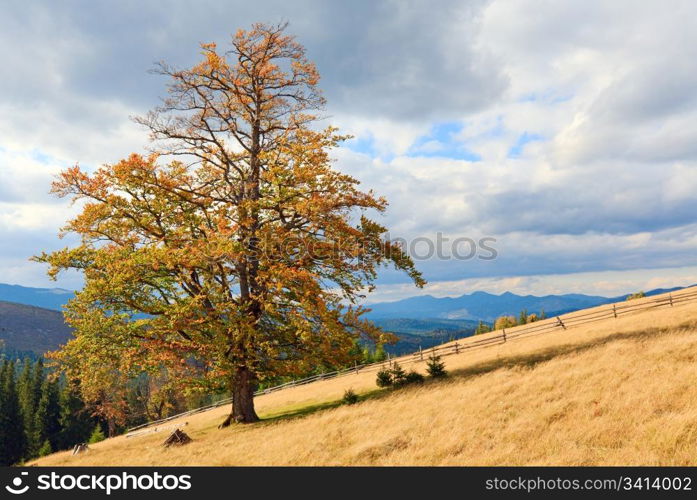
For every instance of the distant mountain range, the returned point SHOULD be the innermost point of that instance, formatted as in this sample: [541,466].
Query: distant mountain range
[30,319]
[486,306]
[48,298]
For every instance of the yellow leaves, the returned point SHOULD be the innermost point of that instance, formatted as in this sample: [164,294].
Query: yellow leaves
[229,258]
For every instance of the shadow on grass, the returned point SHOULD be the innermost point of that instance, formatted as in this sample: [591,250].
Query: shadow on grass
[527,361]
[300,411]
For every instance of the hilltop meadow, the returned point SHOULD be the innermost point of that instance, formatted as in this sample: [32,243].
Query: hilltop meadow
[617,391]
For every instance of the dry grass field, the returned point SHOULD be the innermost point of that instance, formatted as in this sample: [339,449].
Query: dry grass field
[616,392]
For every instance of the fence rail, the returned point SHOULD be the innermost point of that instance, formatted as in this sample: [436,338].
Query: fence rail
[497,337]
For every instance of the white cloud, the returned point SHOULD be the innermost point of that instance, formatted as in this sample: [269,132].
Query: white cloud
[580,113]
[605,283]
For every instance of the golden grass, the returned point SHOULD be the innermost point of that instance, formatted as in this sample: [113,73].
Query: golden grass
[615,392]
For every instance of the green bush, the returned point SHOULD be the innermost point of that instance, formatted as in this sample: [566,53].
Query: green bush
[384,378]
[435,367]
[638,295]
[350,397]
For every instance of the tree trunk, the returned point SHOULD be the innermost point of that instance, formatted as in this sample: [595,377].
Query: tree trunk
[111,427]
[244,384]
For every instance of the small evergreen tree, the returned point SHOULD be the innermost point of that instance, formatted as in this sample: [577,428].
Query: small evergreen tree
[399,376]
[435,367]
[482,328]
[350,397]
[380,354]
[523,318]
[97,435]
[384,378]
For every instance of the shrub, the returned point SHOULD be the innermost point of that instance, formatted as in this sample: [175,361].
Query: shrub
[384,378]
[97,435]
[637,295]
[413,378]
[505,322]
[482,328]
[399,376]
[350,397]
[435,367]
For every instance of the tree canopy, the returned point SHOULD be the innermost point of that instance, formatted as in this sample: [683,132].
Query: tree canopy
[232,253]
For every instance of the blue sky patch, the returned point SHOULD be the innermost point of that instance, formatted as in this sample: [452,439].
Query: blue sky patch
[442,141]
[525,138]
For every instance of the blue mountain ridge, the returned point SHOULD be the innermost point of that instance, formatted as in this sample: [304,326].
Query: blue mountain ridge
[472,307]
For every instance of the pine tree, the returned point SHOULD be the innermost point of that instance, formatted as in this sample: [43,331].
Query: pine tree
[97,435]
[47,417]
[482,328]
[75,421]
[380,354]
[31,382]
[384,378]
[12,439]
[399,376]
[45,449]
[523,318]
[435,367]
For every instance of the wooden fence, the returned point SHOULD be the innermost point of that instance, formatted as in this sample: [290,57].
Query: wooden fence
[497,337]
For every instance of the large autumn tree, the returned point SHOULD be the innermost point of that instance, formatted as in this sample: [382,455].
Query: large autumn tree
[234,252]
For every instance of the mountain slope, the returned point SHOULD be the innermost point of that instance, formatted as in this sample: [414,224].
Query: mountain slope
[612,392]
[29,328]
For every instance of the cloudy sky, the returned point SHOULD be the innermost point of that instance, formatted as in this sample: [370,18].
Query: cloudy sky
[564,130]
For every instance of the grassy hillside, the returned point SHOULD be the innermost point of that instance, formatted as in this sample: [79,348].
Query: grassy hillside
[618,391]
[29,328]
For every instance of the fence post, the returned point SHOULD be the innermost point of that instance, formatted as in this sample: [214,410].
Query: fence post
[614,310]
[561,323]
[389,361]
[504,335]
[457,348]
[355,366]
[670,296]
[421,354]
